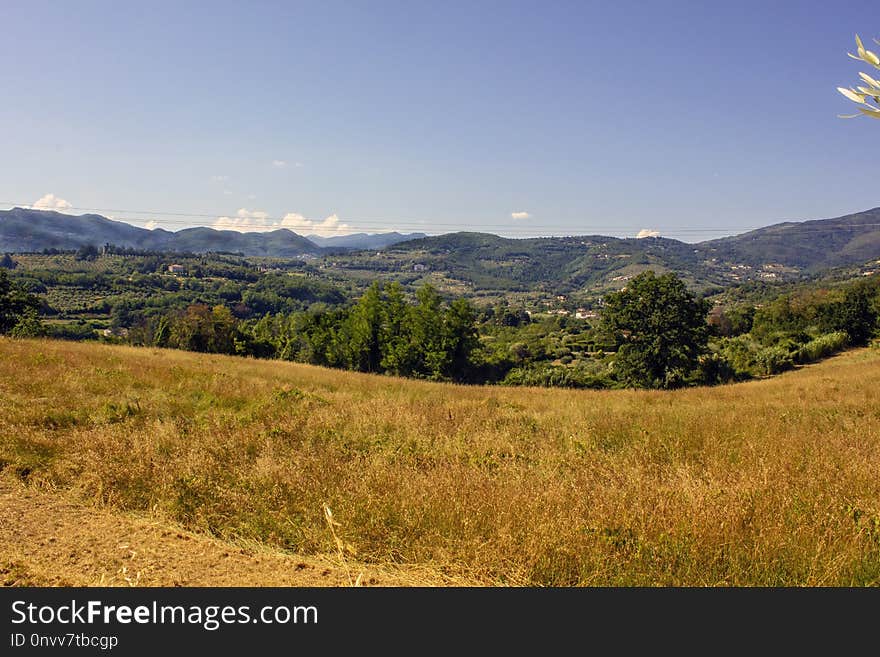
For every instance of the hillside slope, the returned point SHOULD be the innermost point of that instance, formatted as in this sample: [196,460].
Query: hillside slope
[847,240]
[771,482]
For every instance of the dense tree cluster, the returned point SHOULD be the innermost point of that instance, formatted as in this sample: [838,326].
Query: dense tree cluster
[382,333]
[19,310]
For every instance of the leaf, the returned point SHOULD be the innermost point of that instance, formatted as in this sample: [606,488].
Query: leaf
[867,78]
[871,58]
[873,113]
[852,95]
[328,516]
[861,48]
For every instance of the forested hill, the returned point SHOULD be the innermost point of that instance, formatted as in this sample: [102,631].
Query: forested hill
[489,261]
[810,245]
[847,240]
[782,251]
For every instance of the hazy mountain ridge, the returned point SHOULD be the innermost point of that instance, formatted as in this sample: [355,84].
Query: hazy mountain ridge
[364,240]
[26,230]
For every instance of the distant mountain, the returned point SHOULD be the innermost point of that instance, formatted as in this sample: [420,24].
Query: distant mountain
[594,262]
[24,230]
[488,262]
[811,245]
[364,240]
[35,230]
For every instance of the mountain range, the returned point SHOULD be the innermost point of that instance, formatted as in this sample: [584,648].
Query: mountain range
[593,263]
[27,230]
[363,240]
[487,261]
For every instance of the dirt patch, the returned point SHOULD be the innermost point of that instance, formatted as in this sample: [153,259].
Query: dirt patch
[48,540]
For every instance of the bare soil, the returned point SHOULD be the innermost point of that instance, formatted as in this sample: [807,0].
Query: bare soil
[47,539]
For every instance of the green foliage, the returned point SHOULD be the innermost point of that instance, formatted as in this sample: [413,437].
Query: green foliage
[547,375]
[740,355]
[660,328]
[714,368]
[200,328]
[730,322]
[854,314]
[381,333]
[365,331]
[16,306]
[29,326]
[774,360]
[87,252]
[821,311]
[822,347]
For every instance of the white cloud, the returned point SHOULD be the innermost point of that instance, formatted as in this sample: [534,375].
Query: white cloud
[219,179]
[329,227]
[245,221]
[519,215]
[647,232]
[251,197]
[227,192]
[258,221]
[51,202]
[279,164]
[151,224]
[298,164]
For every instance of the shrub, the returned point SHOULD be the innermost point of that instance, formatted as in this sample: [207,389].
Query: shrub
[773,360]
[546,375]
[823,346]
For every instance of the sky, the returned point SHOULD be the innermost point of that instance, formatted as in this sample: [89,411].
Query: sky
[691,120]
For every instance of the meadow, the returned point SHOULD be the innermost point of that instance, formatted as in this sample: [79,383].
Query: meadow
[770,482]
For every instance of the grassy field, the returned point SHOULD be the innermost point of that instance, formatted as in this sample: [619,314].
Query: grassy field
[773,482]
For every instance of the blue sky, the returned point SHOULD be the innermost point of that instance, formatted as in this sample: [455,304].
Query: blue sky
[694,119]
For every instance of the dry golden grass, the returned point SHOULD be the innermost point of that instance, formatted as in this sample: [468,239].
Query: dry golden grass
[774,482]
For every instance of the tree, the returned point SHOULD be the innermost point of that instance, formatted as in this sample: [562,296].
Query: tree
[854,315]
[15,304]
[193,330]
[87,252]
[29,326]
[221,339]
[660,329]
[427,333]
[460,338]
[864,96]
[6,262]
[366,331]
[396,332]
